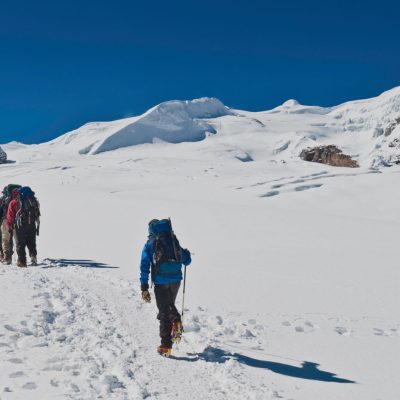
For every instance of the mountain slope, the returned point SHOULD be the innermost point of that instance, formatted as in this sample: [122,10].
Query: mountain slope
[173,121]
[367,130]
[293,290]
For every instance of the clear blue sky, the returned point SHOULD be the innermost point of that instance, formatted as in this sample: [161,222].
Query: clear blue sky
[64,63]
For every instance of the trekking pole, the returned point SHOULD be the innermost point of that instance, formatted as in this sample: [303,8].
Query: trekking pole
[183,293]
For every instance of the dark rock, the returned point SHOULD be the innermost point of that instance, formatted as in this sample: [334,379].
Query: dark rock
[3,156]
[392,126]
[330,155]
[395,143]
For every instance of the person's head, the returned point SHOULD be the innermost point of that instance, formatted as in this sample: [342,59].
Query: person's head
[14,193]
[151,223]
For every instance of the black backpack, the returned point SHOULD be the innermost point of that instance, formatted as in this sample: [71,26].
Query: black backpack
[29,208]
[167,252]
[6,198]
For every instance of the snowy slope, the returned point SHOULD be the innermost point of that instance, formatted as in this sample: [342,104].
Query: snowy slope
[293,292]
[367,130]
[173,121]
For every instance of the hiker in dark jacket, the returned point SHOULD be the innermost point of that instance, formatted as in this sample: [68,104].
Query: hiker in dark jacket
[162,257]
[23,215]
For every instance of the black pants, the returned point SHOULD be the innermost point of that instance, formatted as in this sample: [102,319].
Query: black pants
[167,312]
[25,235]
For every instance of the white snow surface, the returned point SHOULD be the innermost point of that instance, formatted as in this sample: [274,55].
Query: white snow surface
[172,121]
[293,292]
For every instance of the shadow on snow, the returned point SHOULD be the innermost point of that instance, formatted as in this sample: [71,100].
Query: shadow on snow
[308,370]
[63,262]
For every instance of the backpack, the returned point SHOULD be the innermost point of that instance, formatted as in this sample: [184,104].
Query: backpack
[29,207]
[167,253]
[6,198]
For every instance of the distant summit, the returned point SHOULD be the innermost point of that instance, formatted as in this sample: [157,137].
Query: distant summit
[173,122]
[290,103]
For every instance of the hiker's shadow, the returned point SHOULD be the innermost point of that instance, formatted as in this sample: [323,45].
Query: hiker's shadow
[308,370]
[63,262]
[7,162]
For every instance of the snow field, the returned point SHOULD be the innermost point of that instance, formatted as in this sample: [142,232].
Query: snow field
[293,292]
[88,335]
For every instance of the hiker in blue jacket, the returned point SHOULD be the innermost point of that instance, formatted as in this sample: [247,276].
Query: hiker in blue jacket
[162,258]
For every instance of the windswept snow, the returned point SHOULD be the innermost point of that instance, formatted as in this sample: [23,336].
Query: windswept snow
[293,291]
[172,121]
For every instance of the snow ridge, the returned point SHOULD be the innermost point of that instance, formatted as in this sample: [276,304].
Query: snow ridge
[172,121]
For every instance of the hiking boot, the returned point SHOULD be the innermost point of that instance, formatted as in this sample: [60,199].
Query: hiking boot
[177,330]
[7,261]
[33,261]
[164,351]
[21,264]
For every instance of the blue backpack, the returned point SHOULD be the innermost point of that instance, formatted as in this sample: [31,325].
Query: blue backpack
[167,253]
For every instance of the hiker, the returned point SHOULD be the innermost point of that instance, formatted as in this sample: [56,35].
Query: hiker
[23,215]
[1,236]
[8,194]
[162,256]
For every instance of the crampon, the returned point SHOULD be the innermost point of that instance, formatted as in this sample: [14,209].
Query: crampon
[164,351]
[177,330]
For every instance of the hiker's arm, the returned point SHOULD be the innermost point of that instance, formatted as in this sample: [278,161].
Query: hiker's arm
[186,258]
[145,267]
[11,213]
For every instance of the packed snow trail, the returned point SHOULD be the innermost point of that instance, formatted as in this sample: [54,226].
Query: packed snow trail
[87,335]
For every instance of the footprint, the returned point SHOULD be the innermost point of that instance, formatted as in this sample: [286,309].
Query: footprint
[15,361]
[49,316]
[16,374]
[299,329]
[286,323]
[75,388]
[30,386]
[113,383]
[306,187]
[270,194]
[341,330]
[10,328]
[26,332]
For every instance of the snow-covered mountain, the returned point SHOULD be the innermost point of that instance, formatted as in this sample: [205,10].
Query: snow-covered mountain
[172,121]
[368,130]
[293,290]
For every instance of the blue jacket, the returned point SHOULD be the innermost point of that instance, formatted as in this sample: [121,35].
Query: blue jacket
[145,265]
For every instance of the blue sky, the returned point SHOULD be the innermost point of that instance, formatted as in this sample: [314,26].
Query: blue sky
[65,63]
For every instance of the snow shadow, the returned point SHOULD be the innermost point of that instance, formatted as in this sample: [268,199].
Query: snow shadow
[308,370]
[63,262]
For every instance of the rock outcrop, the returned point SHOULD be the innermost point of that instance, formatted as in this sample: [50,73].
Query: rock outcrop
[329,155]
[392,126]
[3,156]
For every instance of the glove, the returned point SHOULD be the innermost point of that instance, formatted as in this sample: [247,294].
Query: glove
[146,296]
